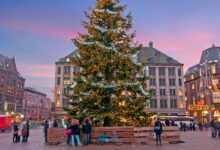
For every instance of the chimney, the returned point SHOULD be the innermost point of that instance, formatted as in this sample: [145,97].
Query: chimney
[150,44]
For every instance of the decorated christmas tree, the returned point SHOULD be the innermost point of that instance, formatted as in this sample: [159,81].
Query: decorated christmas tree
[110,89]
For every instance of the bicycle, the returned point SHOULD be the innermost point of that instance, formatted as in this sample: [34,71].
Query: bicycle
[103,139]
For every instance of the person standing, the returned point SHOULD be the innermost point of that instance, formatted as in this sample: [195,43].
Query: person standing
[158,129]
[75,132]
[46,126]
[167,122]
[15,135]
[86,128]
[55,124]
[24,132]
[28,128]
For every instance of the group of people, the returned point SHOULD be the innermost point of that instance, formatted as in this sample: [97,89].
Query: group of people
[24,132]
[73,128]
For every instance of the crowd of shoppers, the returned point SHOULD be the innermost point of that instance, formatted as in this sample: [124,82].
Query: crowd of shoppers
[23,131]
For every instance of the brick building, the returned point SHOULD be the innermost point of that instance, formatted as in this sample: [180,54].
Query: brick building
[11,87]
[36,104]
[202,86]
[200,91]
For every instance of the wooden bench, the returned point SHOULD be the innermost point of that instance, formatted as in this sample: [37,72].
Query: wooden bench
[146,134]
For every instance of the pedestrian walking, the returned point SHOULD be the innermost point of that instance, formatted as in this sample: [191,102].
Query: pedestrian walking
[75,132]
[158,129]
[15,134]
[86,128]
[28,128]
[46,126]
[184,127]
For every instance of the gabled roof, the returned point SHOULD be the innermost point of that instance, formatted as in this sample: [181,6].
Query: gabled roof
[212,54]
[4,62]
[154,56]
[71,55]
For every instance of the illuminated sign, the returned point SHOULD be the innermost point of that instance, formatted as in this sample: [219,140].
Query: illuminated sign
[199,107]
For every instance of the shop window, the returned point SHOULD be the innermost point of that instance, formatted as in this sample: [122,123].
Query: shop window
[195,114]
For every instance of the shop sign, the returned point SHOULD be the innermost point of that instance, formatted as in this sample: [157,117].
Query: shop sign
[200,107]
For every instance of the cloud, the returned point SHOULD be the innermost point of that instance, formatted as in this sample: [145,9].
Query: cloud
[38,28]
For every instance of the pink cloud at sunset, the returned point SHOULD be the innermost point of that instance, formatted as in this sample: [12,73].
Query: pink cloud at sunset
[38,28]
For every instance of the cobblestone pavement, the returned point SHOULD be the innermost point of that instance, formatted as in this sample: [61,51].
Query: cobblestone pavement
[194,141]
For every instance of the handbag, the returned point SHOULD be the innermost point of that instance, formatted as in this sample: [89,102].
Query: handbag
[24,132]
[154,135]
[68,132]
[16,132]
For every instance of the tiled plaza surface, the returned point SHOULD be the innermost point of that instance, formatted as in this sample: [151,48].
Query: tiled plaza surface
[194,141]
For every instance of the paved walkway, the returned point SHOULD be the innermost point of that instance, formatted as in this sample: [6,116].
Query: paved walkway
[194,141]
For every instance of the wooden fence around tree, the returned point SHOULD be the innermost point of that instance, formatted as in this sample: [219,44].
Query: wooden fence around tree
[146,134]
[127,134]
[55,135]
[124,133]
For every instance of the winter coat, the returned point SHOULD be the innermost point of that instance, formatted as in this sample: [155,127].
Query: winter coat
[46,126]
[86,128]
[158,127]
[75,129]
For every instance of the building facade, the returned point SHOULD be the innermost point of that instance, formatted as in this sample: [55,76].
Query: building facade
[202,86]
[63,78]
[166,82]
[11,88]
[36,104]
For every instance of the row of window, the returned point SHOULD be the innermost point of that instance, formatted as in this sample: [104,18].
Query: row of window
[162,82]
[163,92]
[66,81]
[163,103]
[67,69]
[171,71]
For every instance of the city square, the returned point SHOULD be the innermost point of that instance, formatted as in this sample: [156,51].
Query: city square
[109,74]
[193,141]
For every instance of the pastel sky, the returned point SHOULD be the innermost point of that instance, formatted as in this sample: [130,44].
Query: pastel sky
[38,32]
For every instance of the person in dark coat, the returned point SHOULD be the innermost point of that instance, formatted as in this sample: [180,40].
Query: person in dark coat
[158,129]
[46,126]
[15,135]
[55,124]
[28,128]
[86,128]
[75,132]
[167,122]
